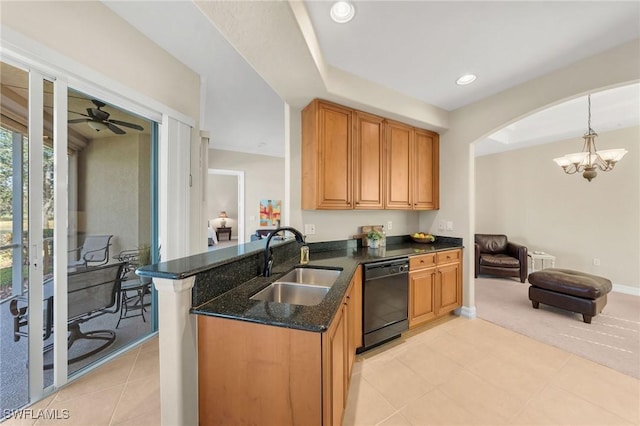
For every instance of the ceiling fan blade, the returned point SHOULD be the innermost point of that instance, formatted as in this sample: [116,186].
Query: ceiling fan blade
[115,129]
[78,120]
[79,113]
[125,124]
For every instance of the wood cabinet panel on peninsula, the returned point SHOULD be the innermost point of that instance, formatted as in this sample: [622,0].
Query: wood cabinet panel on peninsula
[355,160]
[249,373]
[435,285]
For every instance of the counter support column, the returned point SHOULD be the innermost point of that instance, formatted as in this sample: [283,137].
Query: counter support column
[178,352]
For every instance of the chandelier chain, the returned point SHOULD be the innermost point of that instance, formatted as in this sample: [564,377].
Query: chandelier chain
[589,130]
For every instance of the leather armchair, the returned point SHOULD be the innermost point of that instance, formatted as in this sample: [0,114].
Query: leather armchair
[496,255]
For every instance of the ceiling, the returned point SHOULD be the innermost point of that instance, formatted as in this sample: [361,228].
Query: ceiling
[14,94]
[415,48]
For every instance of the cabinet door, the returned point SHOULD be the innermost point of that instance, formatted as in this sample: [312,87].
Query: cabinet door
[398,166]
[422,296]
[335,377]
[426,179]
[354,319]
[449,287]
[326,156]
[368,149]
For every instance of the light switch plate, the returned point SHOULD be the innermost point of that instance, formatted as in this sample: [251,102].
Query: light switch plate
[309,229]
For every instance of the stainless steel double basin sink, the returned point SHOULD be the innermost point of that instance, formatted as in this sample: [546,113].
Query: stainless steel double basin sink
[301,286]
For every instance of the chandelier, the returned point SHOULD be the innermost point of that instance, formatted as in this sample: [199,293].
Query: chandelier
[590,159]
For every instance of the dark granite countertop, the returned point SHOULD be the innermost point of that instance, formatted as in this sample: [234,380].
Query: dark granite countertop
[236,303]
[185,267]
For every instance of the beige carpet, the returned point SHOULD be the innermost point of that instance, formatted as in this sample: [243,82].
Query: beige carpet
[612,339]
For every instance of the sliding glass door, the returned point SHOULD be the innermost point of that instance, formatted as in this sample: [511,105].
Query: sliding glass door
[110,222]
[77,216]
[26,213]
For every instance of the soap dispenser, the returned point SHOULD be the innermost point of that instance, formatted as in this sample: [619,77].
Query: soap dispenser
[304,255]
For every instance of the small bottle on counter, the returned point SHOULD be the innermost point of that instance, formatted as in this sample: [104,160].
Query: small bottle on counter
[304,255]
[383,240]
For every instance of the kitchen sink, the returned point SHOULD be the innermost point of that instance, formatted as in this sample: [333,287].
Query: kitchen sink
[295,294]
[300,286]
[311,276]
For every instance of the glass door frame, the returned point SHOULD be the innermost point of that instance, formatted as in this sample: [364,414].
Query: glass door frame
[35,231]
[61,85]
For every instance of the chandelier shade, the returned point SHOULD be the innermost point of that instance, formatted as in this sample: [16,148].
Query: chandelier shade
[590,159]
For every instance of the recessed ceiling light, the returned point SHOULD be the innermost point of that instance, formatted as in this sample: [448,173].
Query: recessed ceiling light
[342,12]
[466,79]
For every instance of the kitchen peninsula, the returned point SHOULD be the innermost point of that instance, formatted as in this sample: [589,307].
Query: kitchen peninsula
[258,358]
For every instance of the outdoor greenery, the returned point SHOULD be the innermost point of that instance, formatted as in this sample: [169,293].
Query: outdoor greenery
[6,199]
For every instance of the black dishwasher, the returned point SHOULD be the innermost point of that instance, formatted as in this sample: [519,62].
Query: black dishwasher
[385,293]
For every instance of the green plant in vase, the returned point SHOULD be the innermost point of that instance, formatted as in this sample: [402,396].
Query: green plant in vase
[374,238]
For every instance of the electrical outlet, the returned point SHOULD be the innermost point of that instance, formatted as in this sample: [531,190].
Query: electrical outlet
[309,229]
[252,218]
[441,225]
[449,225]
[389,225]
[596,261]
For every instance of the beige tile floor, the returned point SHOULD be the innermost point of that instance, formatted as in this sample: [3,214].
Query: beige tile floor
[466,372]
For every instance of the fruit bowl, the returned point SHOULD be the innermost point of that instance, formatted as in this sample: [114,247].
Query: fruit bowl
[427,239]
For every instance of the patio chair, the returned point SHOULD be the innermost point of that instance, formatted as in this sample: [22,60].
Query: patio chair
[94,251]
[91,292]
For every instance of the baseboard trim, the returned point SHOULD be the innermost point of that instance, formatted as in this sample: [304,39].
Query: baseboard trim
[466,312]
[626,289]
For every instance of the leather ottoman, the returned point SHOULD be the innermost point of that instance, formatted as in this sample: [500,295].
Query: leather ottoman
[574,291]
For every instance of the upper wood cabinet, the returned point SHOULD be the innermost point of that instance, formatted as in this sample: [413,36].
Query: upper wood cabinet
[412,168]
[355,160]
[426,170]
[326,156]
[368,153]
[399,166]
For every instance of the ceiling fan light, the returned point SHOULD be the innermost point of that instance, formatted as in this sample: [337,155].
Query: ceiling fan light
[97,125]
[466,79]
[342,12]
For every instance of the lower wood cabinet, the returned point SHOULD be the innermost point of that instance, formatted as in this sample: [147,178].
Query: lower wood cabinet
[435,285]
[249,373]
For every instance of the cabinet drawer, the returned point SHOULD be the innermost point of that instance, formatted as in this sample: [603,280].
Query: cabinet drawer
[449,256]
[422,261]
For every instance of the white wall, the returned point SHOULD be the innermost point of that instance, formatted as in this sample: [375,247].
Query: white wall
[473,122]
[263,180]
[526,196]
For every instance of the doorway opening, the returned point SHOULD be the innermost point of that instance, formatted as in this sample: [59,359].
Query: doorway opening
[225,208]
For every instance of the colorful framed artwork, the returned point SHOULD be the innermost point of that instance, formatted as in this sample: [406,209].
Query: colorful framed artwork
[270,211]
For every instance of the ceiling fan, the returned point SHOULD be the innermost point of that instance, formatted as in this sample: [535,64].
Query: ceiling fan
[98,119]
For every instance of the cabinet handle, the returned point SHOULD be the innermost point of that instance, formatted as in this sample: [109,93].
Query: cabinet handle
[422,261]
